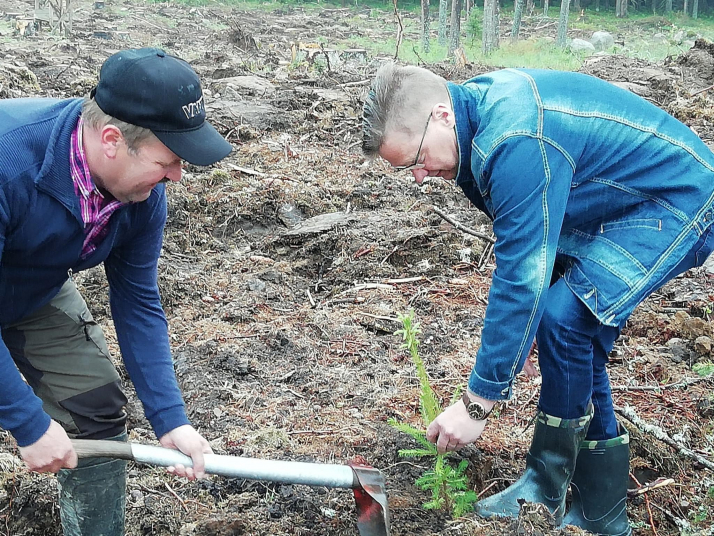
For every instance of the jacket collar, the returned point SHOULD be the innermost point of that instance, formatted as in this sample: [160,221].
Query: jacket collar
[54,177]
[464,101]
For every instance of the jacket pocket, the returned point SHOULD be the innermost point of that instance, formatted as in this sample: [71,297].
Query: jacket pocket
[653,224]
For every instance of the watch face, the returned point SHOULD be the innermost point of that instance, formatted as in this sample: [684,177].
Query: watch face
[476,411]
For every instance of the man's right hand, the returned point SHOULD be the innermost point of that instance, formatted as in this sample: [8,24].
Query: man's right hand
[52,452]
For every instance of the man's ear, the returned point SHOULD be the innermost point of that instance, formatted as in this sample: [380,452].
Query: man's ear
[111,139]
[443,113]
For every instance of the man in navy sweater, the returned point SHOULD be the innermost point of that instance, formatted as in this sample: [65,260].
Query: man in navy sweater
[81,183]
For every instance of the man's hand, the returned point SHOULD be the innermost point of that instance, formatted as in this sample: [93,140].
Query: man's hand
[529,365]
[454,428]
[52,452]
[186,439]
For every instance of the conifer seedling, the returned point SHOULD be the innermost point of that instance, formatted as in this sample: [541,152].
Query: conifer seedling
[448,485]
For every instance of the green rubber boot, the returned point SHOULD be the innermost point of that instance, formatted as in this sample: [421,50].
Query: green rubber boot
[600,487]
[549,467]
[93,497]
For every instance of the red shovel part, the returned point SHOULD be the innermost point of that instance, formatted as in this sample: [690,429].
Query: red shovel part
[371,500]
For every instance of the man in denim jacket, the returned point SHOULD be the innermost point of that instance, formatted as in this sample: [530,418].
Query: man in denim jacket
[597,199]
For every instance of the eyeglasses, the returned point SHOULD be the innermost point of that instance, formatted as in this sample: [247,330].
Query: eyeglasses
[416,164]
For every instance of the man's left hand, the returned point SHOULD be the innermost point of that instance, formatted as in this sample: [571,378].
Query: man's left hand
[454,428]
[186,439]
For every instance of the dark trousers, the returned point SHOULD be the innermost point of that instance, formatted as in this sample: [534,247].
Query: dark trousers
[573,349]
[63,355]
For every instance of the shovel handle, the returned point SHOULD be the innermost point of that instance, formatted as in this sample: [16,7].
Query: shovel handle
[92,448]
[288,472]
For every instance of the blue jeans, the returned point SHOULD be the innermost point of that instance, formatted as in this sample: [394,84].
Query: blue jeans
[573,349]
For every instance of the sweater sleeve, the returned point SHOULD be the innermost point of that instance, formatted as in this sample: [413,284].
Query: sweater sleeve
[142,330]
[528,185]
[21,410]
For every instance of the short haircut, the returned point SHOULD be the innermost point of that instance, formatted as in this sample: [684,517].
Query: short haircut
[94,117]
[400,99]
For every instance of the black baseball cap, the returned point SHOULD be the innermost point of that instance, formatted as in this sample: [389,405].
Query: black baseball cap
[152,89]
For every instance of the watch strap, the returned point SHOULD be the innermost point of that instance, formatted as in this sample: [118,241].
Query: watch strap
[467,402]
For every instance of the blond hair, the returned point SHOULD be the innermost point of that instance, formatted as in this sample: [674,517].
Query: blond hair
[400,99]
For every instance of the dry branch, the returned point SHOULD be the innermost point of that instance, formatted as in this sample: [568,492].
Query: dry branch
[701,91]
[462,227]
[629,413]
[675,385]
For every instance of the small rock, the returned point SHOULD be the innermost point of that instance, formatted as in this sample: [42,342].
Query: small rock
[698,327]
[580,45]
[256,285]
[678,349]
[290,215]
[602,40]
[703,345]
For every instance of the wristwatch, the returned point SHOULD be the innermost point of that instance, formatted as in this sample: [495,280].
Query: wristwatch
[476,410]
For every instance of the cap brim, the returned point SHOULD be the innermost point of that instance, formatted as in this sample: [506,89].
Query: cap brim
[201,147]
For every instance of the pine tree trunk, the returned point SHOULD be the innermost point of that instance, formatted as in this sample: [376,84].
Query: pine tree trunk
[545,8]
[621,8]
[530,7]
[695,8]
[517,14]
[425,23]
[490,37]
[563,23]
[668,7]
[597,5]
[576,5]
[686,7]
[455,30]
[469,7]
[443,7]
[497,22]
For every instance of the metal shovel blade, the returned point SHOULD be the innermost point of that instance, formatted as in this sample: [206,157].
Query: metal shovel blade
[371,500]
[367,483]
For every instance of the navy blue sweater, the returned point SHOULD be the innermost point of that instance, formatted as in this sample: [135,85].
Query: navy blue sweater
[41,236]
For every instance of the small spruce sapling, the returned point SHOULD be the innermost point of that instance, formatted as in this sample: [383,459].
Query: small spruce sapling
[448,485]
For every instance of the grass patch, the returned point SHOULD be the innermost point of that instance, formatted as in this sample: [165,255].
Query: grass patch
[6,30]
[531,53]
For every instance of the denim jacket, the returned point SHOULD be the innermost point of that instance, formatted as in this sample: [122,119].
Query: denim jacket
[575,171]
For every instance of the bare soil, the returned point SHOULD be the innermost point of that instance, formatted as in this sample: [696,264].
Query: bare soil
[282,322]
